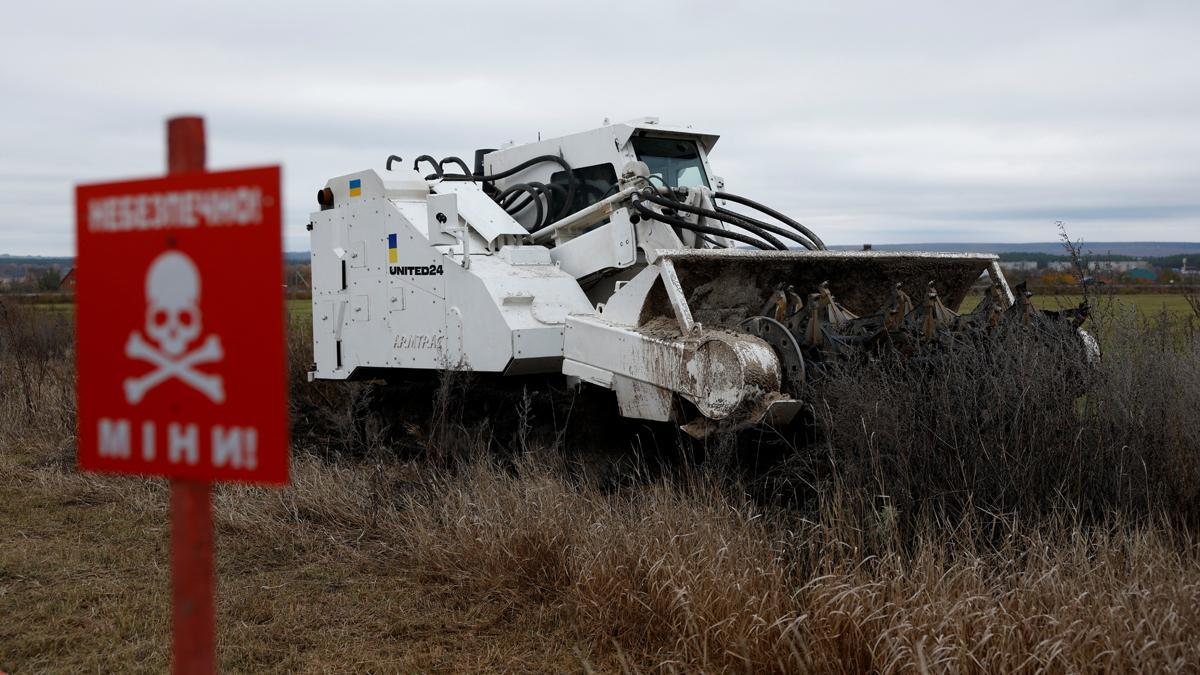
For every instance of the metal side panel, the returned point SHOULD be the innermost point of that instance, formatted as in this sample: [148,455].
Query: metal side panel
[592,374]
[478,338]
[537,350]
[642,400]
[326,251]
[416,324]
[413,260]
[609,246]
[723,373]
[325,334]
[365,343]
[480,211]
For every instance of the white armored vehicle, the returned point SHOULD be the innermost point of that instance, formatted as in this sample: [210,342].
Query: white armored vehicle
[615,257]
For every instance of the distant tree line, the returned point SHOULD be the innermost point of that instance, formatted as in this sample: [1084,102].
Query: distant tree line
[1169,262]
[32,279]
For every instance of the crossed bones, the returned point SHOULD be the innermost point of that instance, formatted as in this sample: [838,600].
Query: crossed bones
[166,368]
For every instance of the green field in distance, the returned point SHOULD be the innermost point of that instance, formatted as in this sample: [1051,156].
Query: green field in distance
[1147,304]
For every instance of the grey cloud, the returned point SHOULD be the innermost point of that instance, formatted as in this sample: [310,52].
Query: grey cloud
[930,120]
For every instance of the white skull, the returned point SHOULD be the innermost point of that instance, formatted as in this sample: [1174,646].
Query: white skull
[172,302]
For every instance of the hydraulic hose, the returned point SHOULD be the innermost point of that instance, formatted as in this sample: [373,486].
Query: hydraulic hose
[795,236]
[774,214]
[437,169]
[532,192]
[535,191]
[709,213]
[453,160]
[571,180]
[650,213]
[668,193]
[557,189]
[783,232]
[516,169]
[540,187]
[660,179]
[511,198]
[546,189]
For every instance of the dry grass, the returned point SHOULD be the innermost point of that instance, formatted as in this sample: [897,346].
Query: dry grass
[695,579]
[380,557]
[1012,426]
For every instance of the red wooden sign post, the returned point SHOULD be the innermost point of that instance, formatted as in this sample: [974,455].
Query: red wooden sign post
[180,349]
[193,592]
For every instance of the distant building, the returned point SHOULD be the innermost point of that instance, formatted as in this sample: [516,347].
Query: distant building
[1118,266]
[1019,266]
[1060,266]
[1142,274]
[67,283]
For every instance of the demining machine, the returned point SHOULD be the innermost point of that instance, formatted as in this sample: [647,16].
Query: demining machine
[616,258]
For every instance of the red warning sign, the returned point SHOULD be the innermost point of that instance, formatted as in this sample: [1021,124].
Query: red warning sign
[179,321]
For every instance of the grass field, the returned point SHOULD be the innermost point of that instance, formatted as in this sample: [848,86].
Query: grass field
[1002,516]
[84,585]
[299,306]
[1146,304]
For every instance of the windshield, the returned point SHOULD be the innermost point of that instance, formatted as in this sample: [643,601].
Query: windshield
[676,161]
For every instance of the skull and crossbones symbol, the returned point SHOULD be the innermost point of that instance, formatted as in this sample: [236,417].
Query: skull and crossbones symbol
[173,322]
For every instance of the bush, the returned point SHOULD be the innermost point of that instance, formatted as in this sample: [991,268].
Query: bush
[1013,426]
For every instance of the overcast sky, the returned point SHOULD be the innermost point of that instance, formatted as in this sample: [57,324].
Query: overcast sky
[873,122]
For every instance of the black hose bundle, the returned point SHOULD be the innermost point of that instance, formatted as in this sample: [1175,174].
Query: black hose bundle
[508,200]
[547,192]
[537,193]
[709,213]
[762,208]
[783,232]
[534,192]
[437,168]
[650,213]
[509,195]
[731,217]
[453,160]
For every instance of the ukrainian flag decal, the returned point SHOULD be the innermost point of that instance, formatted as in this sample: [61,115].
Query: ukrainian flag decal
[356,187]
[391,249]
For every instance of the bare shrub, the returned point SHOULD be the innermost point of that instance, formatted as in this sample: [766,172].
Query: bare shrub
[329,418]
[37,379]
[1012,425]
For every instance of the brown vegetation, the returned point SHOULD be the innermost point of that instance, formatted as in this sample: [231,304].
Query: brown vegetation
[992,511]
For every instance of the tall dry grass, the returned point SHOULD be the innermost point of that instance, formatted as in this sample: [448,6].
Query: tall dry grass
[1014,426]
[983,517]
[37,381]
[693,576]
